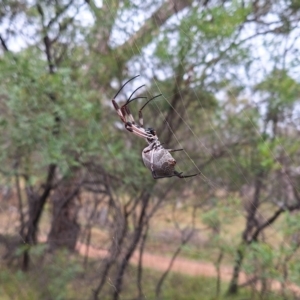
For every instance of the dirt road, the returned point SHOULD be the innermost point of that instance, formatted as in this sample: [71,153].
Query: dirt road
[182,265]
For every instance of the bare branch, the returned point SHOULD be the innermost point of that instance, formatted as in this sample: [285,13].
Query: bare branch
[140,264]
[151,27]
[59,12]
[185,239]
[105,18]
[272,219]
[3,43]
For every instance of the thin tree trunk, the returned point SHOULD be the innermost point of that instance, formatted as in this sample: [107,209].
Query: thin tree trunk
[246,236]
[88,229]
[36,206]
[120,234]
[20,204]
[218,264]
[65,229]
[136,237]
[165,274]
[140,265]
[233,287]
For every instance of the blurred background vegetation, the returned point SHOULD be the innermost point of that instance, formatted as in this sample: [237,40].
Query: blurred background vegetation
[80,215]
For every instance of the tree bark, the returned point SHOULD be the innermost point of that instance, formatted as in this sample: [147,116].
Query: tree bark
[246,236]
[65,229]
[134,243]
[36,205]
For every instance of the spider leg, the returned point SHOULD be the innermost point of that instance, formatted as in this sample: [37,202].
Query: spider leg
[160,177]
[124,111]
[121,113]
[174,150]
[166,176]
[175,174]
[130,126]
[124,85]
[125,107]
[130,100]
[136,130]
[124,114]
[184,176]
[128,113]
[141,119]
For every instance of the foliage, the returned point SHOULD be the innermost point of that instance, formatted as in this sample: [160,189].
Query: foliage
[176,287]
[30,116]
[228,75]
[50,281]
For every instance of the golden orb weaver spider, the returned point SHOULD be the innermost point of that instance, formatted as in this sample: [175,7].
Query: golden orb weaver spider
[155,157]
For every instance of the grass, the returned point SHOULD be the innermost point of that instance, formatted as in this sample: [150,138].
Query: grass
[60,277]
[163,229]
[15,286]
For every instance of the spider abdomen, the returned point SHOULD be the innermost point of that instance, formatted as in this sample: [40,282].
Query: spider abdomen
[159,161]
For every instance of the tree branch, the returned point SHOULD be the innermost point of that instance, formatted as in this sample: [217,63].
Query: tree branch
[165,274]
[105,20]
[136,237]
[151,27]
[140,264]
[59,12]
[272,219]
[3,43]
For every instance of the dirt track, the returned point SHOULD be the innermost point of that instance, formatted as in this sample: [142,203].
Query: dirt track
[182,265]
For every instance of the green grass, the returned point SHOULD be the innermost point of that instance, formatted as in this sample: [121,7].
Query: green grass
[13,285]
[182,287]
[59,278]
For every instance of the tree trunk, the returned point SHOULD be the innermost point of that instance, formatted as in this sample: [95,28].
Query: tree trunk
[247,237]
[36,205]
[64,228]
[233,286]
[132,246]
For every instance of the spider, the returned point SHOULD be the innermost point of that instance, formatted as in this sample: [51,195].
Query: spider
[155,157]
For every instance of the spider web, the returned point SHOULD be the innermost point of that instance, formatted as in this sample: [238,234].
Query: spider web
[205,180]
[185,160]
